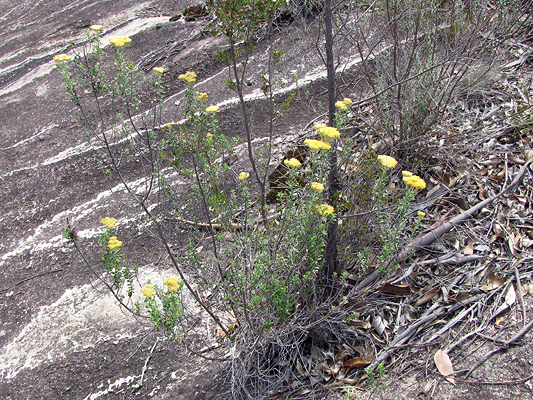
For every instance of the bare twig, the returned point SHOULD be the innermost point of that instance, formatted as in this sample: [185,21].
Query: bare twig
[145,366]
[39,275]
[520,294]
[504,346]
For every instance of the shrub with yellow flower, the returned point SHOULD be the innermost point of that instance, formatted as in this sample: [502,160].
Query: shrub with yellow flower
[243,176]
[212,109]
[324,209]
[316,145]
[407,173]
[341,106]
[421,214]
[329,133]
[120,41]
[148,291]
[201,96]
[348,101]
[96,28]
[387,161]
[62,58]
[108,222]
[159,70]
[415,181]
[317,187]
[292,163]
[189,77]
[114,243]
[173,284]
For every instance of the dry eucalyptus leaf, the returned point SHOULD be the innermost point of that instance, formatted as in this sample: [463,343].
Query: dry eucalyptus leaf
[398,290]
[469,250]
[444,365]
[427,297]
[492,282]
[510,297]
[356,362]
[499,320]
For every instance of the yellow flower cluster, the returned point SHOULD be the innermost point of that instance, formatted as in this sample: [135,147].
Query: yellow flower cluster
[348,101]
[120,41]
[148,290]
[108,222]
[341,106]
[421,214]
[212,109]
[387,161]
[159,70]
[201,96]
[209,135]
[96,28]
[325,209]
[113,243]
[328,132]
[62,58]
[243,176]
[189,77]
[316,145]
[413,180]
[172,283]
[317,187]
[292,163]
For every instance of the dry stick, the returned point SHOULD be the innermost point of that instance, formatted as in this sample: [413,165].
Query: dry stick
[146,362]
[504,346]
[39,275]
[527,378]
[520,294]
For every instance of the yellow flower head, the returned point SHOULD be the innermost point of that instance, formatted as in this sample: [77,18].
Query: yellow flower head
[120,41]
[407,173]
[209,135]
[159,70]
[172,283]
[329,133]
[201,96]
[212,109]
[148,291]
[387,162]
[114,243]
[324,209]
[318,127]
[292,163]
[316,145]
[348,101]
[108,222]
[96,28]
[415,181]
[189,77]
[243,176]
[421,214]
[62,57]
[341,106]
[317,187]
